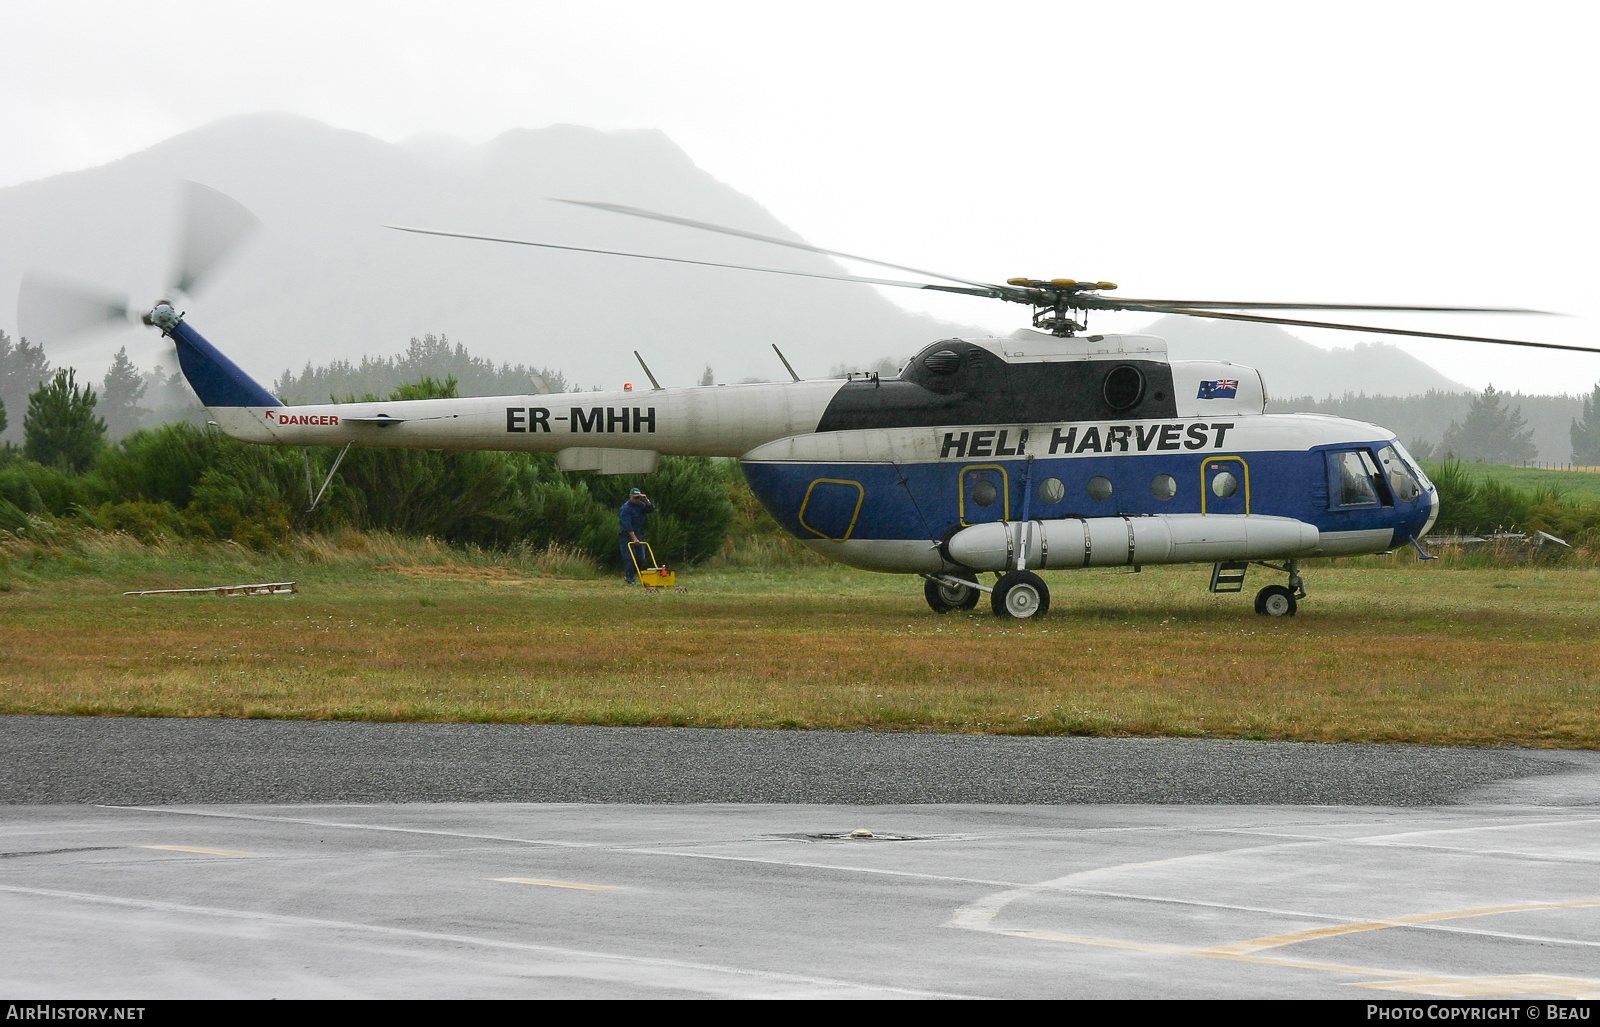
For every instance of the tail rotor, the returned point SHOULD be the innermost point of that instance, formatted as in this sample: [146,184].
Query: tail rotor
[210,227]
[53,308]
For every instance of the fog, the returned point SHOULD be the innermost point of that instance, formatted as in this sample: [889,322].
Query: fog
[1360,153]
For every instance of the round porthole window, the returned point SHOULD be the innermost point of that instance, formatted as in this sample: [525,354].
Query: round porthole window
[984,493]
[1163,486]
[1099,489]
[1052,491]
[1124,387]
[1224,485]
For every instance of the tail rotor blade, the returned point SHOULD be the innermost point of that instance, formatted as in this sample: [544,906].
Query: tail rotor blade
[50,309]
[211,226]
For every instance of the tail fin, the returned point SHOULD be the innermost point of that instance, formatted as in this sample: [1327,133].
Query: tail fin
[218,381]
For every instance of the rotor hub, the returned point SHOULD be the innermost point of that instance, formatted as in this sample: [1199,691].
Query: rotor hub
[163,317]
[1059,304]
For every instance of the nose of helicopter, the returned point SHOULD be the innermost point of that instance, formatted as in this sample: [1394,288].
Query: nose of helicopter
[1432,496]
[1416,521]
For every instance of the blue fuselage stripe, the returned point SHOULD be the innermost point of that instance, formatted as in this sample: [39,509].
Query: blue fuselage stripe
[925,500]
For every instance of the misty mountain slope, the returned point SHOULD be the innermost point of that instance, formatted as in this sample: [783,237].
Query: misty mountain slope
[324,280]
[1293,367]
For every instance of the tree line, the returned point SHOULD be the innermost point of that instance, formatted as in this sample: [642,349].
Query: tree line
[1492,426]
[184,481]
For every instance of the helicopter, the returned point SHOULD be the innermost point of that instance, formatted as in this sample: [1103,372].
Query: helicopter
[1051,448]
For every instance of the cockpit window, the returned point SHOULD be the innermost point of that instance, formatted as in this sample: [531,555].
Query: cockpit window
[1400,478]
[944,361]
[1359,481]
[1415,468]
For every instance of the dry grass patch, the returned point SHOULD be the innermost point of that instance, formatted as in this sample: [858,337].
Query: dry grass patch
[1379,653]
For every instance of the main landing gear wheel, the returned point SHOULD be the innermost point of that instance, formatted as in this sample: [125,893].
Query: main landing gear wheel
[1275,601]
[942,597]
[1020,594]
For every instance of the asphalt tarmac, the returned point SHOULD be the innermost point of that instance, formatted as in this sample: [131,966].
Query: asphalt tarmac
[137,760]
[237,859]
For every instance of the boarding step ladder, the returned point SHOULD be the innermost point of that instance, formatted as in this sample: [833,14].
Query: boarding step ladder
[1229,577]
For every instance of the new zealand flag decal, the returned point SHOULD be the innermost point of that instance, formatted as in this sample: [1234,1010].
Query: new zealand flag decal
[1226,389]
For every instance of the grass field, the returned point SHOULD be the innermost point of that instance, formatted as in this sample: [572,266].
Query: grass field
[382,630]
[1581,485]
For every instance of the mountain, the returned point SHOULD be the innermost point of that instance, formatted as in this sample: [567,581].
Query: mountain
[1293,367]
[325,280]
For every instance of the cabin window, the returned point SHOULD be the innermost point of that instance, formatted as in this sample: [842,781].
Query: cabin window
[1163,486]
[1124,387]
[984,493]
[1052,491]
[1099,489]
[1224,485]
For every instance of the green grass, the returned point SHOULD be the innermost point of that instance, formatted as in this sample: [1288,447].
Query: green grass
[1582,485]
[1385,649]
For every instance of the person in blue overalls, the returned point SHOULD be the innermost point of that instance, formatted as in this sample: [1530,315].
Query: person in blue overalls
[632,516]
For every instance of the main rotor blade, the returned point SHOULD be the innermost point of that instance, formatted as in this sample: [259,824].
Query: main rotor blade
[1367,328]
[50,308]
[1208,304]
[210,226]
[639,212]
[984,291]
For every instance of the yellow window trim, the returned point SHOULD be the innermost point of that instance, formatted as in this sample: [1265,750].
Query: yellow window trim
[861,494]
[1205,489]
[1005,490]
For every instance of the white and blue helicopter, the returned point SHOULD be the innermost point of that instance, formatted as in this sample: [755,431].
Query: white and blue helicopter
[1049,449]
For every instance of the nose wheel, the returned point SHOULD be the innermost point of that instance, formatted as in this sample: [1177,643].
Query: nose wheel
[1276,601]
[1281,600]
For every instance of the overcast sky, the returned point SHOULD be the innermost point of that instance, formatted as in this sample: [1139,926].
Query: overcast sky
[1436,153]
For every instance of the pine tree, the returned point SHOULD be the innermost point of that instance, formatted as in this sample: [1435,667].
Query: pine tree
[1490,432]
[1586,432]
[120,393]
[60,427]
[708,378]
[23,366]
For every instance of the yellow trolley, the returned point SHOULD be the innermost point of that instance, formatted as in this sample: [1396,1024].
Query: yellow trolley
[652,576]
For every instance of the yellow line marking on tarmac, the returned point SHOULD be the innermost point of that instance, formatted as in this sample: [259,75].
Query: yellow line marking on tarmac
[190,848]
[1294,938]
[1487,987]
[1178,950]
[1441,986]
[556,884]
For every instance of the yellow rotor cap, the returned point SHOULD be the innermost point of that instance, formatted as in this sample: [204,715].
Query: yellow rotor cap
[1105,285]
[1063,281]
[1019,281]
